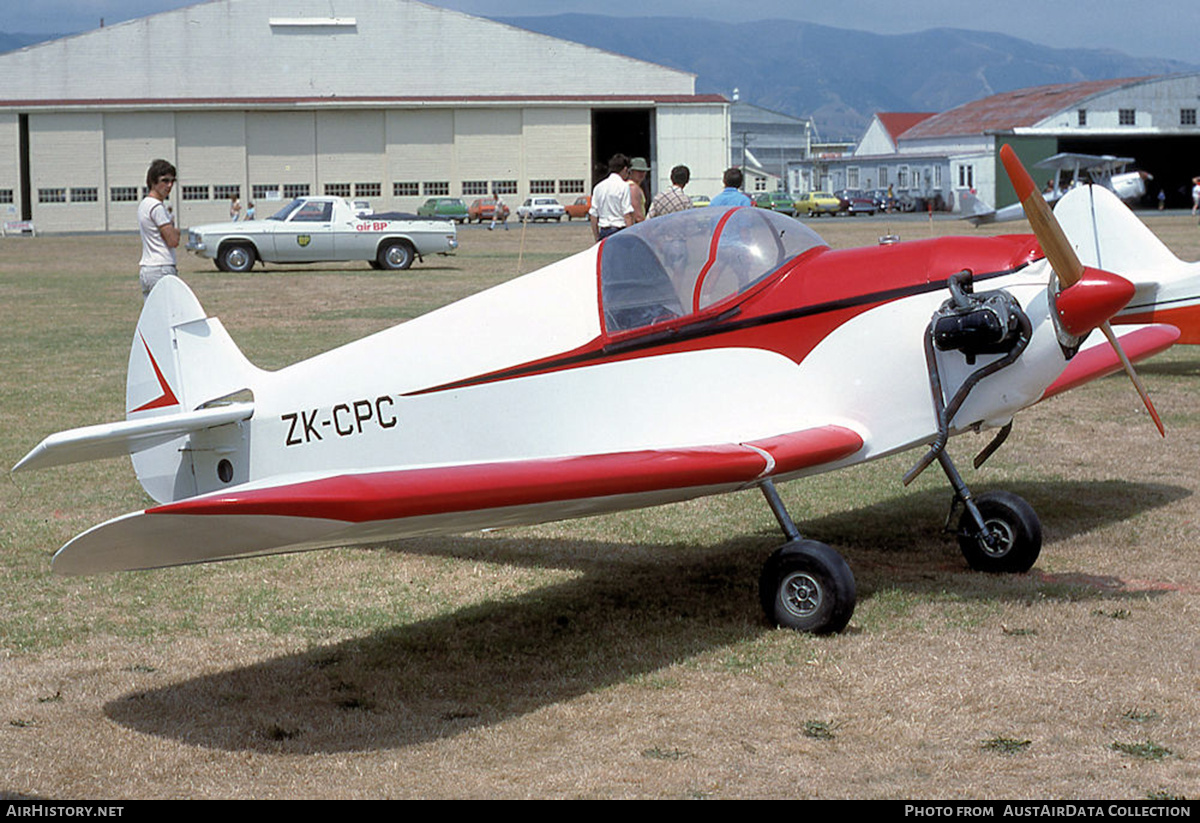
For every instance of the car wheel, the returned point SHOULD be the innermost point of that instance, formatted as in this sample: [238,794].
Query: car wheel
[395,255]
[236,257]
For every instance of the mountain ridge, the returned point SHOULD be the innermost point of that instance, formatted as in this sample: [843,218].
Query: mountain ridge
[841,77]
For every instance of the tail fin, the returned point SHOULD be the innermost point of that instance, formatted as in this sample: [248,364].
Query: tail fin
[188,391]
[1107,235]
[182,361]
[975,210]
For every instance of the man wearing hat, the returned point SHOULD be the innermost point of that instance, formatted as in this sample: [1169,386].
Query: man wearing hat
[638,169]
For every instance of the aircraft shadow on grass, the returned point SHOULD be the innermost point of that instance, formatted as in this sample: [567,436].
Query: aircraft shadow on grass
[633,611]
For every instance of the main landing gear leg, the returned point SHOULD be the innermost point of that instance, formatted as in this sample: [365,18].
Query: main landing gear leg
[805,585]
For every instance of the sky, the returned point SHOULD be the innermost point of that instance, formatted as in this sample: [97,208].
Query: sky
[1151,28]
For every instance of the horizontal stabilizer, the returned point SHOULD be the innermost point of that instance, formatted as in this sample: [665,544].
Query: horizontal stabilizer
[127,437]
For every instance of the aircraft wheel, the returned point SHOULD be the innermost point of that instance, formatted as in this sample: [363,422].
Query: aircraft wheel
[807,586]
[236,258]
[396,255]
[1016,530]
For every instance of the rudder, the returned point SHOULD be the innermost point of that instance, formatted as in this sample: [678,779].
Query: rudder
[180,361]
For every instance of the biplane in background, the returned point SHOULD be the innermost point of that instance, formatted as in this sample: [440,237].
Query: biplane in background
[703,352]
[1070,172]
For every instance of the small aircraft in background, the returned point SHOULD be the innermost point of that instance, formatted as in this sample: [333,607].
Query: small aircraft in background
[704,352]
[1108,236]
[1103,170]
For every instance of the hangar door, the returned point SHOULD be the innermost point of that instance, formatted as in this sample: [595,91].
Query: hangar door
[627,131]
[1173,162]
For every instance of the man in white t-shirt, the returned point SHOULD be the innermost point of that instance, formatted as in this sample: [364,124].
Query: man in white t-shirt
[612,208]
[160,237]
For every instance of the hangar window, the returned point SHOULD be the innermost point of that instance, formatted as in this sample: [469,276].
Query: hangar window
[1082,117]
[1187,117]
[438,188]
[368,189]
[406,190]
[123,194]
[570,187]
[293,190]
[337,189]
[541,187]
[504,186]
[6,195]
[85,194]
[226,191]
[265,191]
[475,188]
[195,192]
[52,195]
[1127,117]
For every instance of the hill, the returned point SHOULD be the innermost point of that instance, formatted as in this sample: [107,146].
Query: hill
[839,76]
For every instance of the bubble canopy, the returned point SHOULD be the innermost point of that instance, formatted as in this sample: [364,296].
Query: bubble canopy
[686,262]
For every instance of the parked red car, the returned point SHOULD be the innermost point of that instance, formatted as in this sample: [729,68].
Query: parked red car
[579,208]
[481,210]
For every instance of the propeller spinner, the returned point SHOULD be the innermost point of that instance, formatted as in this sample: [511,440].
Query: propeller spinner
[1089,297]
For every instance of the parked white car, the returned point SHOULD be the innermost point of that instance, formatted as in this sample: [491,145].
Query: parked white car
[540,208]
[320,229]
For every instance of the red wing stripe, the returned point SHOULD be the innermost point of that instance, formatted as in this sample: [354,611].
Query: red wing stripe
[1100,361]
[392,495]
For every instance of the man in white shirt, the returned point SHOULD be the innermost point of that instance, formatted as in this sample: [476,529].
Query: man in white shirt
[160,237]
[612,208]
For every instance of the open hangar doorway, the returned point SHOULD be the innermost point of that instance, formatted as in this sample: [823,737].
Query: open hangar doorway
[1172,161]
[625,131]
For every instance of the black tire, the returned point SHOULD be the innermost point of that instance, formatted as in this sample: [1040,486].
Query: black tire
[395,255]
[807,586]
[1016,528]
[236,257]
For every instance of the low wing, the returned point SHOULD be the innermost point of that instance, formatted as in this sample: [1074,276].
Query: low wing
[300,513]
[127,437]
[1098,359]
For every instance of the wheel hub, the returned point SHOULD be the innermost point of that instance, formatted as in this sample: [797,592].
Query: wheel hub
[800,594]
[998,539]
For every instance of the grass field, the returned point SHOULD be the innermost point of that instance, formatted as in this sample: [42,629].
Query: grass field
[622,656]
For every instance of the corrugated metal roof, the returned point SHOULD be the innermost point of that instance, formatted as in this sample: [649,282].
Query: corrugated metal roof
[898,122]
[1014,109]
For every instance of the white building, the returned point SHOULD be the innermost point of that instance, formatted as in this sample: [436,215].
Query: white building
[387,100]
[1152,119]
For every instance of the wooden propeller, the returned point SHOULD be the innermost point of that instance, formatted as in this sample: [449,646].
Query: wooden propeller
[1063,259]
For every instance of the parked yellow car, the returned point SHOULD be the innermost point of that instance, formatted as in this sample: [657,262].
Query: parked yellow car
[816,203]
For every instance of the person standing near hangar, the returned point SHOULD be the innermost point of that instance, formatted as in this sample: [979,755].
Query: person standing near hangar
[160,237]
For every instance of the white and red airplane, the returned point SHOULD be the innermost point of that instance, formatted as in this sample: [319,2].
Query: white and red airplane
[698,353]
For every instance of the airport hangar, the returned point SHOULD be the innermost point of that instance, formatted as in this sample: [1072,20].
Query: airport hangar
[392,101]
[1151,119]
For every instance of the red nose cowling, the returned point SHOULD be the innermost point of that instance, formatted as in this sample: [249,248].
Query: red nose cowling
[1094,299]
